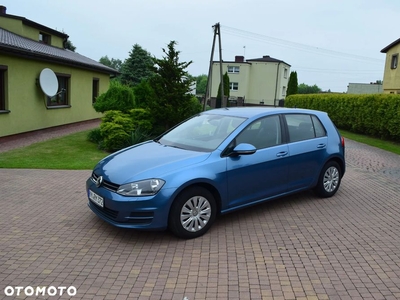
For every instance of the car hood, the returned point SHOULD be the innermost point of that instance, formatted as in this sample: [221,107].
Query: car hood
[146,160]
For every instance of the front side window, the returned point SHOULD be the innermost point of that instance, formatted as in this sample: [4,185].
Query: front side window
[304,127]
[233,86]
[3,85]
[395,61]
[233,69]
[263,133]
[61,98]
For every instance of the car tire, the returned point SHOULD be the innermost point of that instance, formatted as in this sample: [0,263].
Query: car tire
[192,213]
[329,180]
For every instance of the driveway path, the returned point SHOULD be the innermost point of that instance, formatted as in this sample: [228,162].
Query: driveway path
[298,247]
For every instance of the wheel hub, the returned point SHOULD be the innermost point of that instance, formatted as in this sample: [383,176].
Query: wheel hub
[195,214]
[331,179]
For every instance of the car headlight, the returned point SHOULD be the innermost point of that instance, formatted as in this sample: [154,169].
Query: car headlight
[147,187]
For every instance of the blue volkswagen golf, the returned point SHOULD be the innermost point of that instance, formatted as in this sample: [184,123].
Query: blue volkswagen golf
[217,162]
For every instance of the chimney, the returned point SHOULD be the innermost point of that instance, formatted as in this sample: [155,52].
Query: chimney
[3,10]
[239,58]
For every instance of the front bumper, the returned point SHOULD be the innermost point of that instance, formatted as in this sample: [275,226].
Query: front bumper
[149,212]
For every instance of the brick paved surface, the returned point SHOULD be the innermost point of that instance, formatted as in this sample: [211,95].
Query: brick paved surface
[298,247]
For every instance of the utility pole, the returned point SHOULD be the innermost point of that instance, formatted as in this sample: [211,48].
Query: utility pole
[217,31]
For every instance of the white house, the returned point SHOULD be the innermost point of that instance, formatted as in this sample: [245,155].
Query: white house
[258,81]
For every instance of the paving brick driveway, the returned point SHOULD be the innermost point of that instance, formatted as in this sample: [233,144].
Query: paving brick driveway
[298,247]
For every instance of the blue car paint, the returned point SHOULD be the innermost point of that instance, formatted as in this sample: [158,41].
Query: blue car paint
[233,184]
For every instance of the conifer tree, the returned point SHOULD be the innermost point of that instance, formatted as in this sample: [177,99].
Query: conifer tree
[292,84]
[171,85]
[137,66]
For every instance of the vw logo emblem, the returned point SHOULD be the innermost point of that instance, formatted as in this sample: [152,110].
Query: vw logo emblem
[99,181]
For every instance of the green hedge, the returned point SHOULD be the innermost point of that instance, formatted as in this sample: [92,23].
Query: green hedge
[373,114]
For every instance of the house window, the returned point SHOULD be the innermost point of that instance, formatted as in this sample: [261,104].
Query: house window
[233,69]
[3,84]
[61,98]
[285,71]
[284,91]
[44,38]
[95,89]
[395,61]
[233,86]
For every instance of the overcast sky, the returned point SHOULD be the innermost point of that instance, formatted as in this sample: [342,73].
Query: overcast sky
[330,43]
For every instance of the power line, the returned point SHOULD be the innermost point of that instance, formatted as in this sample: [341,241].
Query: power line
[332,71]
[263,38]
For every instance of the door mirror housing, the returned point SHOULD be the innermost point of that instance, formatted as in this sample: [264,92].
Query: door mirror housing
[243,149]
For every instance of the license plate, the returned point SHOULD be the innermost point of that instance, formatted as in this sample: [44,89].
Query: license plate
[96,198]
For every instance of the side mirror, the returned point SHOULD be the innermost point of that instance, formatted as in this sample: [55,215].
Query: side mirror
[243,149]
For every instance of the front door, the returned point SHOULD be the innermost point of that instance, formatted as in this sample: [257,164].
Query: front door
[263,174]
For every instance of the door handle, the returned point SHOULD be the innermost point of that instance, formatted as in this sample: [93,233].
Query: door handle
[281,154]
[320,146]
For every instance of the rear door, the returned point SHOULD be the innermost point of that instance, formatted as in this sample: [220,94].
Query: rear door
[307,148]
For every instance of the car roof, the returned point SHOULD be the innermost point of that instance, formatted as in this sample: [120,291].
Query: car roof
[255,111]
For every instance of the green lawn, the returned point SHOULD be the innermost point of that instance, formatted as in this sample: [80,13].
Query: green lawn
[382,144]
[71,152]
[75,152]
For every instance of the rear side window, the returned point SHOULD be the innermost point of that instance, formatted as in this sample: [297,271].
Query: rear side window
[318,128]
[304,127]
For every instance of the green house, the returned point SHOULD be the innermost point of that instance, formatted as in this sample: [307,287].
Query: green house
[43,84]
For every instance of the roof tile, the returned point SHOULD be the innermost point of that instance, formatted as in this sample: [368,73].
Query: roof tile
[23,45]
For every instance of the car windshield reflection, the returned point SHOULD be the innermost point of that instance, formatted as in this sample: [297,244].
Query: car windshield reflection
[204,132]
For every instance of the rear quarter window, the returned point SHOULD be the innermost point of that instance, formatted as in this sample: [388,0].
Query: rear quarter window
[318,127]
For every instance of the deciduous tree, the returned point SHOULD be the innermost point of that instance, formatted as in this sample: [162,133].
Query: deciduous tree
[112,63]
[308,89]
[201,84]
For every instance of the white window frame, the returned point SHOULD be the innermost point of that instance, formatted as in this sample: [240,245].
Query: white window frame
[233,86]
[233,69]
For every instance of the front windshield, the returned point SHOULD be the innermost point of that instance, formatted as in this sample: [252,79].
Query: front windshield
[204,132]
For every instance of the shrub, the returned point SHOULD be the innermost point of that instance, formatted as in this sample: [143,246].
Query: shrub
[139,135]
[144,94]
[95,137]
[119,130]
[141,118]
[115,130]
[118,97]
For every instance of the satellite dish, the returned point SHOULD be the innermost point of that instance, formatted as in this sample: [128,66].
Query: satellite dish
[48,82]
